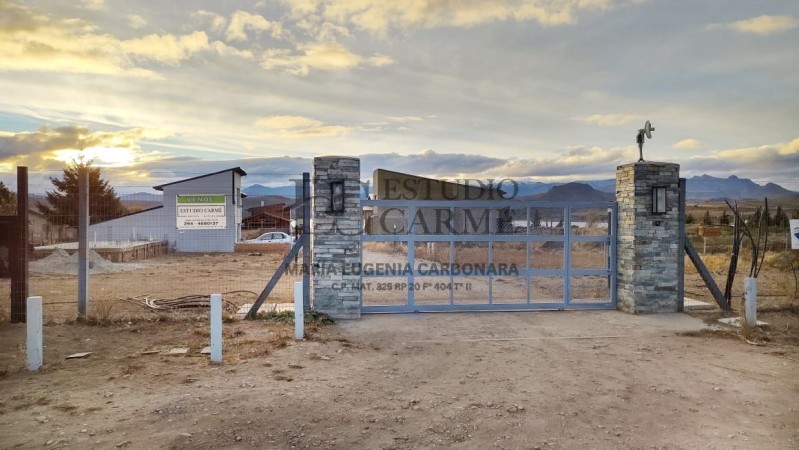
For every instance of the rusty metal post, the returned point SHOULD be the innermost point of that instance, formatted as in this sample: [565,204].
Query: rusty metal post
[83,242]
[18,252]
[306,240]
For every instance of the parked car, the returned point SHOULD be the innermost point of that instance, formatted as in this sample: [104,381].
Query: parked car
[274,237]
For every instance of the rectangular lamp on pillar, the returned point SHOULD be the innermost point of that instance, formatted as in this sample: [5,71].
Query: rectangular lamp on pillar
[659,200]
[337,196]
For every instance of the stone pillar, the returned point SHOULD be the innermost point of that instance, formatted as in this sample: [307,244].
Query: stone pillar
[336,238]
[647,243]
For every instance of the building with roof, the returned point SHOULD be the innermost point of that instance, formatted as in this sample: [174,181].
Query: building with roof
[199,214]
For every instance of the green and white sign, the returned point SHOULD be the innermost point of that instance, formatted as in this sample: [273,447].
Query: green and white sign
[201,212]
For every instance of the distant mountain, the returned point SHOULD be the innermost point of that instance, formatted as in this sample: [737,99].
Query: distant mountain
[608,185]
[259,190]
[706,187]
[701,187]
[527,188]
[573,192]
[141,201]
[142,197]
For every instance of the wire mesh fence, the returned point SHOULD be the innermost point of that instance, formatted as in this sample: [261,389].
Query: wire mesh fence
[182,240]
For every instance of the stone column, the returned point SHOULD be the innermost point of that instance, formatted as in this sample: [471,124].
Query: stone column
[336,238]
[647,243]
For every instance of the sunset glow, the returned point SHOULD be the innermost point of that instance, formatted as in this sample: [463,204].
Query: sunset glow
[536,90]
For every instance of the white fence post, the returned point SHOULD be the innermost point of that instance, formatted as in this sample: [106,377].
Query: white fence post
[299,312]
[216,328]
[35,341]
[750,301]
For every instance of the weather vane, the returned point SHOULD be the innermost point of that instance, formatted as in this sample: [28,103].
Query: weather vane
[645,131]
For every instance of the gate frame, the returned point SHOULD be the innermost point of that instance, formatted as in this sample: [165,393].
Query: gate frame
[410,239]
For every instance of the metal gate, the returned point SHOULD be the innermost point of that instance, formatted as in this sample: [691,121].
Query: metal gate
[487,255]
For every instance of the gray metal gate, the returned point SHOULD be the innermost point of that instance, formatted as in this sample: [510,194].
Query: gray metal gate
[487,255]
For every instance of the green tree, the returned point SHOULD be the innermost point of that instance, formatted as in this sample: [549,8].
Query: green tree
[8,200]
[780,218]
[708,219]
[689,218]
[536,219]
[62,203]
[725,218]
[767,219]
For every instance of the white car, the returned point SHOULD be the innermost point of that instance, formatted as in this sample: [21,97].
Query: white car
[274,237]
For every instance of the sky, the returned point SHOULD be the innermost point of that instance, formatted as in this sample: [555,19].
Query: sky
[532,90]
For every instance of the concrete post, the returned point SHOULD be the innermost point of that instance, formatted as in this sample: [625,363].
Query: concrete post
[216,328]
[35,346]
[336,237]
[299,312]
[648,243]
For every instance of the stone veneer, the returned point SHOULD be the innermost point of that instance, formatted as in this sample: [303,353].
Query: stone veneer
[335,239]
[648,244]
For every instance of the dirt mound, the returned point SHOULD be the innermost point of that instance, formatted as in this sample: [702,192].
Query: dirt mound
[61,262]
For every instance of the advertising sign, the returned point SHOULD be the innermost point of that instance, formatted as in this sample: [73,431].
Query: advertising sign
[795,234]
[201,212]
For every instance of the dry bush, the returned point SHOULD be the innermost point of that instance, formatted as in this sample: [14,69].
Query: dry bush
[433,251]
[101,312]
[783,261]
[720,263]
[5,313]
[788,286]
[385,247]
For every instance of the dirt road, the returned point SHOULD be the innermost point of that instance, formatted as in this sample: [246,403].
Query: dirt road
[492,380]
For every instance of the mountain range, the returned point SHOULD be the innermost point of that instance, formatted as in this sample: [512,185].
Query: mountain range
[702,187]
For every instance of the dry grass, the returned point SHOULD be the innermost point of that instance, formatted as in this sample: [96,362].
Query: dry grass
[5,313]
[545,255]
[392,248]
[281,249]
[101,312]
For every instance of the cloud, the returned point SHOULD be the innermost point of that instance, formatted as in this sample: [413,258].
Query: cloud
[380,16]
[218,23]
[403,119]
[772,162]
[136,21]
[64,144]
[609,120]
[764,25]
[572,162]
[689,144]
[287,122]
[429,163]
[276,170]
[35,42]
[242,21]
[297,127]
[167,48]
[569,164]
[324,56]
[328,19]
[94,5]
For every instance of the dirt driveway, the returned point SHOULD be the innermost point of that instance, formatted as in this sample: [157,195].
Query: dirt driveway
[505,380]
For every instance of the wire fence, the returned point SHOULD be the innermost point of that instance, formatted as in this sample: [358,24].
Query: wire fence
[167,245]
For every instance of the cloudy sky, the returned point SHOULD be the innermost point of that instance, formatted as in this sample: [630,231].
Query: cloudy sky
[541,90]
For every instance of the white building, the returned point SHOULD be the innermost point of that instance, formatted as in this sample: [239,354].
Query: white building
[200,214]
